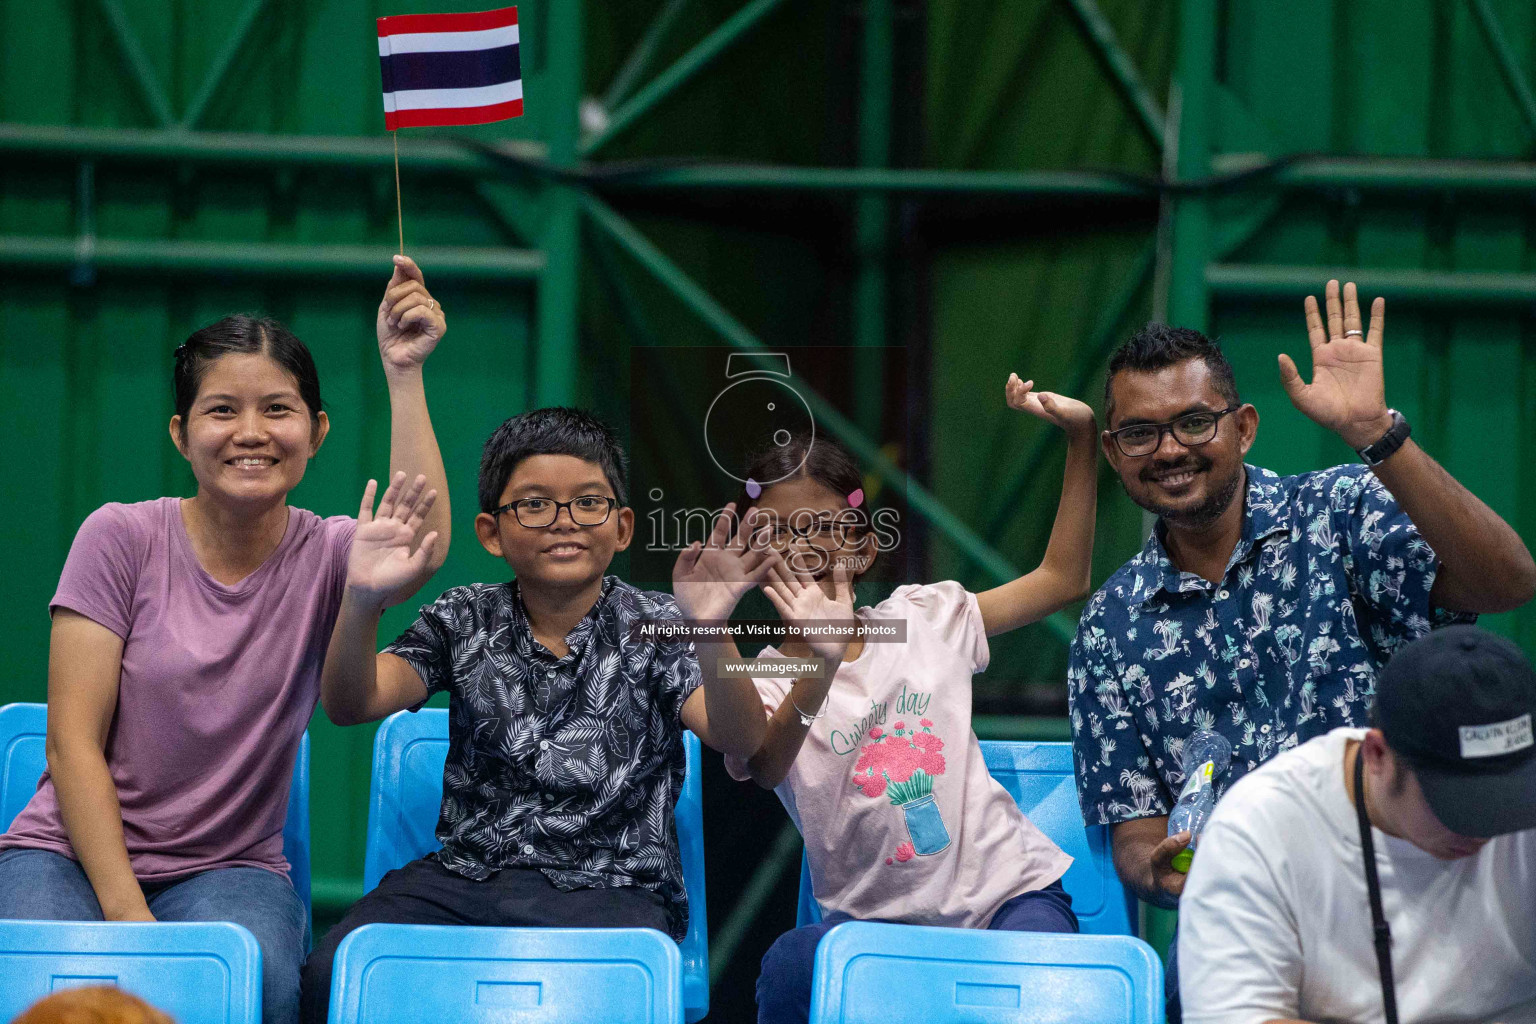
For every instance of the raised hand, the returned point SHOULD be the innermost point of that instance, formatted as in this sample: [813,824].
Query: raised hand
[381,562]
[1067,413]
[1347,394]
[410,322]
[800,600]
[708,579]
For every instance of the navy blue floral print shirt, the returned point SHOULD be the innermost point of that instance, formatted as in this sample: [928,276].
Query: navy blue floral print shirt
[568,765]
[1328,579]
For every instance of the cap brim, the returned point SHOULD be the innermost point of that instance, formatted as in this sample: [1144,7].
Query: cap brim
[1482,806]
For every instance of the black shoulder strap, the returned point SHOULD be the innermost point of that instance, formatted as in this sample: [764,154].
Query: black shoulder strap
[1373,884]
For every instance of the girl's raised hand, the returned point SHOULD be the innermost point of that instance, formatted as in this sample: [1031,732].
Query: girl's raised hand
[381,562]
[801,601]
[1067,413]
[410,322]
[709,579]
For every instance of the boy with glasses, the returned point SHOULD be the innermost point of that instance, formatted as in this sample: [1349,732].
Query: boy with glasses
[565,749]
[1260,607]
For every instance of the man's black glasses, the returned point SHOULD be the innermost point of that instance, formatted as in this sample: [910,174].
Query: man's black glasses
[1191,429]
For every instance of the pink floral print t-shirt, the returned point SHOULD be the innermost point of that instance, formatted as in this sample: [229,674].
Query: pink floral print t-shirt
[900,819]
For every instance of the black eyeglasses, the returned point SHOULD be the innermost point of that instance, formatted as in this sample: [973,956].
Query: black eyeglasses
[536,513]
[1191,429]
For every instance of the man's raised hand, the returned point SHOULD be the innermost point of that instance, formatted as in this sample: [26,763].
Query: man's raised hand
[382,562]
[1347,394]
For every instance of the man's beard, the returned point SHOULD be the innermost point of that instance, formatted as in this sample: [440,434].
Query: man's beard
[1203,514]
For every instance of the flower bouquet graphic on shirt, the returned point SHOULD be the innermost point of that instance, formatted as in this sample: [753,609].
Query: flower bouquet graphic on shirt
[902,765]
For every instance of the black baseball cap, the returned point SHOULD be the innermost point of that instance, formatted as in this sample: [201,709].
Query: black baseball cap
[1458,705]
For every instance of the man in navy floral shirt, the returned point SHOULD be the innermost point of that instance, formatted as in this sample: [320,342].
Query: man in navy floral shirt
[1260,607]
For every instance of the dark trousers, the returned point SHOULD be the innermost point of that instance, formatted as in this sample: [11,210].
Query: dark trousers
[784,984]
[425,892]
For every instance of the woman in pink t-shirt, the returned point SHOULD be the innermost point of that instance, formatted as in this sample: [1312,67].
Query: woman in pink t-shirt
[874,757]
[188,636]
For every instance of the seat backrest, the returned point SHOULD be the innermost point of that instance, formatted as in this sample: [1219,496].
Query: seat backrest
[24,758]
[405,800]
[900,974]
[403,974]
[1039,777]
[197,972]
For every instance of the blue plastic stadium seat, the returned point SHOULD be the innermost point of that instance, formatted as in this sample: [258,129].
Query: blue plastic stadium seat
[404,974]
[905,974]
[23,759]
[1039,778]
[405,799]
[198,972]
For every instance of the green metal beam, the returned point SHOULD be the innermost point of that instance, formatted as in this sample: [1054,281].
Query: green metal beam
[444,155]
[639,60]
[1054,184]
[1504,58]
[688,65]
[877,79]
[260,259]
[1422,287]
[919,498]
[137,62]
[1122,70]
[1195,122]
[233,47]
[558,313]
[344,152]
[1386,174]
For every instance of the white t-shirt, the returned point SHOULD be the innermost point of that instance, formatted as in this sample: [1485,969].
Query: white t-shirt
[901,820]
[1275,920]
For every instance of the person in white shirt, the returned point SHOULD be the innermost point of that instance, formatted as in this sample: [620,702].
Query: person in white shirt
[1276,921]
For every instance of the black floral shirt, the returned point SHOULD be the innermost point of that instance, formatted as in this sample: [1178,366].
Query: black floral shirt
[569,765]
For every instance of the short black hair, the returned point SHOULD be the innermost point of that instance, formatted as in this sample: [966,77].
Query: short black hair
[1158,346]
[552,431]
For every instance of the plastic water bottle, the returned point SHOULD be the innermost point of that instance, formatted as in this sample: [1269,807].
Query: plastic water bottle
[1206,755]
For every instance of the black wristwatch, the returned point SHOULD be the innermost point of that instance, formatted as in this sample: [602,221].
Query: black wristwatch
[1391,441]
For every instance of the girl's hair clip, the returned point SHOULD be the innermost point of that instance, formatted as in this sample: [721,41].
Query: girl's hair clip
[856,498]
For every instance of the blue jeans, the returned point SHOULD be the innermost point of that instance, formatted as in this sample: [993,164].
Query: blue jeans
[784,984]
[37,885]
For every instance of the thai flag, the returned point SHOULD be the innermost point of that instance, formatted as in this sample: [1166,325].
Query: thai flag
[448,69]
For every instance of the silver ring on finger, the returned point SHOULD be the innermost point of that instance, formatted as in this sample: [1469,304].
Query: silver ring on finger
[431,304]
[1354,334]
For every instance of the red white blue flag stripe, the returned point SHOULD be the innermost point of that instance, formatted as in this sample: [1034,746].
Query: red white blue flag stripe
[450,69]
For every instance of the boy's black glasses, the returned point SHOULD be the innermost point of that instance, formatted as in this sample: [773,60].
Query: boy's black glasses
[1191,429]
[536,513]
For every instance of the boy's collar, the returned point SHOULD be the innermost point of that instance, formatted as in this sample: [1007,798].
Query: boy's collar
[581,631]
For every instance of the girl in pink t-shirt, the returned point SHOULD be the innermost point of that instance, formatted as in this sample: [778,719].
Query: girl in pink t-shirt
[874,757]
[187,640]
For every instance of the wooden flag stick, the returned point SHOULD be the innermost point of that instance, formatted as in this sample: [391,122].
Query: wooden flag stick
[399,214]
